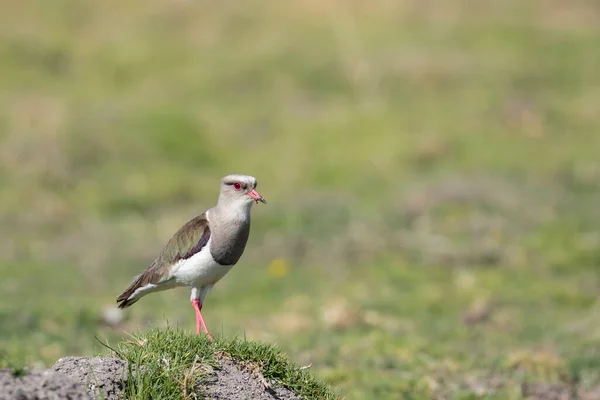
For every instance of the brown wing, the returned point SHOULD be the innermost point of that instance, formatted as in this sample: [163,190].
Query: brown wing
[187,241]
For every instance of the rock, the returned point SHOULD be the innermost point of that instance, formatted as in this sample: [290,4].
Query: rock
[102,377]
[40,385]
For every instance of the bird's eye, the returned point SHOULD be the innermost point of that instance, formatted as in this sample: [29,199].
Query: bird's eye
[237,185]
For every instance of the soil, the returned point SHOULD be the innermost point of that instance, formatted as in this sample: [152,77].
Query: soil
[85,378]
[102,377]
[233,381]
[40,385]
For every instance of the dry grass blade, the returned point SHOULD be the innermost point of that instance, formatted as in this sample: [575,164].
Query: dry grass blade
[188,376]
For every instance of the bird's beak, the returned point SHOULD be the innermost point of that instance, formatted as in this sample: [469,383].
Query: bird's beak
[256,196]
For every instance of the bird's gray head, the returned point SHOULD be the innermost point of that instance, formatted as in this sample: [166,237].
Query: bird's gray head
[239,190]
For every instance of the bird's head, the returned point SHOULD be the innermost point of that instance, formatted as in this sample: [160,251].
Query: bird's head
[239,189]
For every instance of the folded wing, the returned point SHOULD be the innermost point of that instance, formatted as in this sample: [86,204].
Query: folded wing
[187,241]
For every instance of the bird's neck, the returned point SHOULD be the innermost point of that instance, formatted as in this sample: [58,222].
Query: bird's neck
[230,227]
[227,213]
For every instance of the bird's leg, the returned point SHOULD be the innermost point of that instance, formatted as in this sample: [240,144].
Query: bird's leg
[199,320]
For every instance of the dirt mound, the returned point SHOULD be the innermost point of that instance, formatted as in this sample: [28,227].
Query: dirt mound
[102,377]
[79,378]
[232,381]
[40,385]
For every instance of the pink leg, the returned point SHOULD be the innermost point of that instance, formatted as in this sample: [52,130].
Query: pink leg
[199,320]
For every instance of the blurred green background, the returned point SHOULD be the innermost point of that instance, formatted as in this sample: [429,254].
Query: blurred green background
[432,170]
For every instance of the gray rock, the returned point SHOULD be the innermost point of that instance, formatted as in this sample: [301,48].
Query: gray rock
[40,385]
[102,377]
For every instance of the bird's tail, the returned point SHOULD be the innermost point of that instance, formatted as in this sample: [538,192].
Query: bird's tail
[124,303]
[124,300]
[128,297]
[150,281]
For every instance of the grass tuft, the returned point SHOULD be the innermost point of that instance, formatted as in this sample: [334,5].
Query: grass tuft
[171,363]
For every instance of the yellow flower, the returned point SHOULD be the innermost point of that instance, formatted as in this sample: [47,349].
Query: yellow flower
[279,267]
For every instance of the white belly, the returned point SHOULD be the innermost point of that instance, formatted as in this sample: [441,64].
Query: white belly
[199,270]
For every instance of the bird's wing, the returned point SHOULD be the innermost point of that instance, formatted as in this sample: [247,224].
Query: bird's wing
[187,241]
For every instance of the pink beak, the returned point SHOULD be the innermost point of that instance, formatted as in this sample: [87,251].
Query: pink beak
[256,196]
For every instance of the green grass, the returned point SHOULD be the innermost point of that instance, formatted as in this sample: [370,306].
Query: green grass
[13,362]
[172,362]
[431,169]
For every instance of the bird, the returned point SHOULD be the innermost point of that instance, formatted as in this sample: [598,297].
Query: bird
[203,250]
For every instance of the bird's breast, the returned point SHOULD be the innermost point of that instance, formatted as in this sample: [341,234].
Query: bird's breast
[228,243]
[200,269]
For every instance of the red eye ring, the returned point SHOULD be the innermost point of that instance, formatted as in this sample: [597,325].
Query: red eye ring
[237,185]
